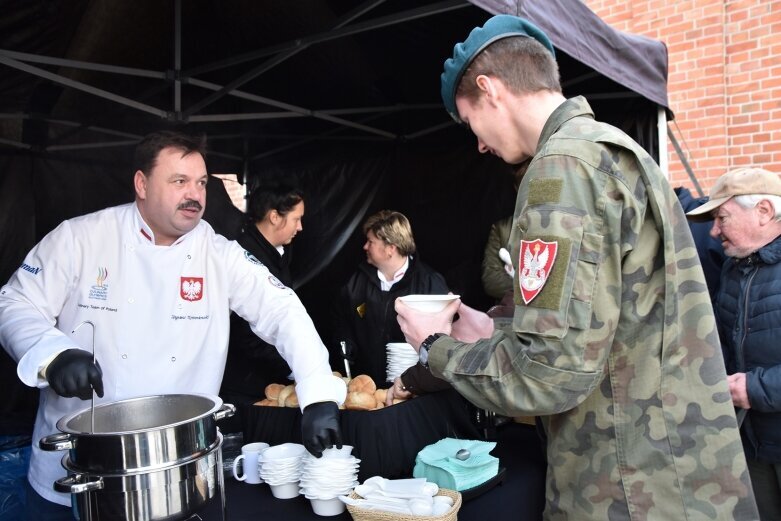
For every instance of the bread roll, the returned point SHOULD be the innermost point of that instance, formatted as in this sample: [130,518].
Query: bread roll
[267,403]
[291,400]
[380,395]
[272,391]
[284,393]
[358,401]
[362,383]
[399,400]
[380,405]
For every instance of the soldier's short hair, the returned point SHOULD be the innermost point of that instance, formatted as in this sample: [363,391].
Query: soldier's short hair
[523,64]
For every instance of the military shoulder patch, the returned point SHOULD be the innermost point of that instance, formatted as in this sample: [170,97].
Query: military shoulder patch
[536,261]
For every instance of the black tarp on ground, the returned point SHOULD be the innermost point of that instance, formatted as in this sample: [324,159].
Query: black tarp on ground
[357,119]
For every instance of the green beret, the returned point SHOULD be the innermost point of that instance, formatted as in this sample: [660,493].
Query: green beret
[496,28]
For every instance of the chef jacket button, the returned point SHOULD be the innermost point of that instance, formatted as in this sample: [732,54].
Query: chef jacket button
[132,248]
[173,359]
[189,257]
[131,300]
[124,357]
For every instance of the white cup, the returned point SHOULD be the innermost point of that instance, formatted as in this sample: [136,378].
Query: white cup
[251,454]
[327,507]
[285,490]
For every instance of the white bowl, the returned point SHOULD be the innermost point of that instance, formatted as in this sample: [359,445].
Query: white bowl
[283,459]
[333,452]
[428,303]
[283,450]
[400,347]
[327,507]
[285,490]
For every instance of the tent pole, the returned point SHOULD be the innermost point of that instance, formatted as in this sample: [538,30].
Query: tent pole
[661,129]
[685,162]
[177,57]
[62,80]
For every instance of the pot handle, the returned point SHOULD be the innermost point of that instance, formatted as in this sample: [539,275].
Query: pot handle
[72,484]
[226,411]
[60,441]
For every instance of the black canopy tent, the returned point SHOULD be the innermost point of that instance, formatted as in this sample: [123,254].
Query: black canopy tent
[340,95]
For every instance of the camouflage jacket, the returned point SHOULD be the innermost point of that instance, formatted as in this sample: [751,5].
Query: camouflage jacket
[617,350]
[496,282]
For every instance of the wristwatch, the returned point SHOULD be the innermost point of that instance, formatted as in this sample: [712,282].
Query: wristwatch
[425,346]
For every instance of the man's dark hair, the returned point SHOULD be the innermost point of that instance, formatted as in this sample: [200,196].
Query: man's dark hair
[282,197]
[147,150]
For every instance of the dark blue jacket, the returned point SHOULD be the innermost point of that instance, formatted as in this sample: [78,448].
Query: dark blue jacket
[748,311]
[709,249]
[366,318]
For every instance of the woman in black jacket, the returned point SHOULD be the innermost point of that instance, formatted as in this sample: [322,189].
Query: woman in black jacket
[366,319]
[274,216]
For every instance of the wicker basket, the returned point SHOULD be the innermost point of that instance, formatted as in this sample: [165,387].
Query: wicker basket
[362,514]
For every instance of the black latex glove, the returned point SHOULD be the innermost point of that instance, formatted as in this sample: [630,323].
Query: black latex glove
[72,373]
[320,427]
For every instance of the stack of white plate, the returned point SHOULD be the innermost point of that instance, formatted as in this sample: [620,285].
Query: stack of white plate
[324,479]
[280,467]
[399,356]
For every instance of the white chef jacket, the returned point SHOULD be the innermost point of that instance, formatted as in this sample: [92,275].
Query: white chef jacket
[161,316]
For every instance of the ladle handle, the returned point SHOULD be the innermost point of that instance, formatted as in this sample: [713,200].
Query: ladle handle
[92,398]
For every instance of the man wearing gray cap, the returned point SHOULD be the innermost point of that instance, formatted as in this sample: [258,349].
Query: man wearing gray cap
[613,342]
[746,207]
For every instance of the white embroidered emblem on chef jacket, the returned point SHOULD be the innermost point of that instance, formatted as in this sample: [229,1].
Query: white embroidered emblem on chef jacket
[536,262]
[191,288]
[276,282]
[250,257]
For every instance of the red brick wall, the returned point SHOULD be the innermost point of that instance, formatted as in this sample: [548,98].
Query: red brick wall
[724,80]
[236,191]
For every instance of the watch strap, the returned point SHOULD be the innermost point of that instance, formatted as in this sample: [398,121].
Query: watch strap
[425,346]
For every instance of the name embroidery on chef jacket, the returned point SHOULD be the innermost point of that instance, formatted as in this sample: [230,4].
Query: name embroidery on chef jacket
[536,262]
[34,270]
[191,288]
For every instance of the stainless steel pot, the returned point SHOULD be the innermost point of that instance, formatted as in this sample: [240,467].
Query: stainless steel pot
[145,433]
[191,489]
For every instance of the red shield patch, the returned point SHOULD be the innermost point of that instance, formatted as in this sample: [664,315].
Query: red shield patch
[536,260]
[191,288]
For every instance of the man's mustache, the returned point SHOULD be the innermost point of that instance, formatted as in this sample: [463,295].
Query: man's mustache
[190,204]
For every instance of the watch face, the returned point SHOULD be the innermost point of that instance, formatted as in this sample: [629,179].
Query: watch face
[423,355]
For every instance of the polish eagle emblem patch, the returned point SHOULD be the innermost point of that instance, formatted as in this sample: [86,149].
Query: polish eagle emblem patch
[536,261]
[191,288]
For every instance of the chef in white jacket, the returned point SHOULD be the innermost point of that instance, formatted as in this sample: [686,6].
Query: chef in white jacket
[158,284]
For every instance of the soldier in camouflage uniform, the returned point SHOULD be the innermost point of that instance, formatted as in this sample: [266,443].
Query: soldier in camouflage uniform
[613,342]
